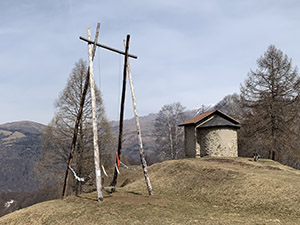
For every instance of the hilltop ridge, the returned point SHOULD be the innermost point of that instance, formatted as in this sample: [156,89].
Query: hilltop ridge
[188,191]
[23,126]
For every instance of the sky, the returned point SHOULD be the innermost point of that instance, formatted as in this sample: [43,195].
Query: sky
[193,51]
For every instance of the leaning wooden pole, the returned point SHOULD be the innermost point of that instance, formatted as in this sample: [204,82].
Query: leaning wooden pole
[114,181]
[95,130]
[78,119]
[138,128]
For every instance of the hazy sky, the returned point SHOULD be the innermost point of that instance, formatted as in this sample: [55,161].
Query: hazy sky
[192,51]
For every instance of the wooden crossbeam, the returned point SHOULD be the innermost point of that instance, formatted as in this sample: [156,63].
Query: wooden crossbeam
[108,48]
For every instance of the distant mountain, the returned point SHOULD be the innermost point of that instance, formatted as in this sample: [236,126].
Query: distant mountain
[23,126]
[130,144]
[19,151]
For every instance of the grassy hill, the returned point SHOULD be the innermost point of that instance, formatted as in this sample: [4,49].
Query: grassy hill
[189,191]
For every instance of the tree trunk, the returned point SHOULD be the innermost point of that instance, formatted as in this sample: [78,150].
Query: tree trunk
[171,140]
[80,159]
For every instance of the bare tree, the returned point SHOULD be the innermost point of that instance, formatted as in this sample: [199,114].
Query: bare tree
[168,136]
[271,95]
[230,105]
[57,138]
[203,108]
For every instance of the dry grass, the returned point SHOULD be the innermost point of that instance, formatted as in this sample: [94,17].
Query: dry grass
[189,191]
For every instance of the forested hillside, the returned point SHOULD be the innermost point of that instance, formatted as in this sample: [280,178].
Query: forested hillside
[19,151]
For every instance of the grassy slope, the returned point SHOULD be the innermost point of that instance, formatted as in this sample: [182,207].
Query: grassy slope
[189,191]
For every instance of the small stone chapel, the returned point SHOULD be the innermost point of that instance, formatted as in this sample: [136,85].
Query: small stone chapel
[212,134]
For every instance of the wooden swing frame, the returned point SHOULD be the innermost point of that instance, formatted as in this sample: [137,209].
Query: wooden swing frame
[89,79]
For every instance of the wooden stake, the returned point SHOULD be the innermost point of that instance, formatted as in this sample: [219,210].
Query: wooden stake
[95,131]
[78,119]
[114,181]
[138,128]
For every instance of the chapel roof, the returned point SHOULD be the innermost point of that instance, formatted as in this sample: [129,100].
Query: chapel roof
[202,117]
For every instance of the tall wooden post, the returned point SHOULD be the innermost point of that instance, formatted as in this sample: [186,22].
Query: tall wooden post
[114,181]
[95,131]
[78,119]
[138,128]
